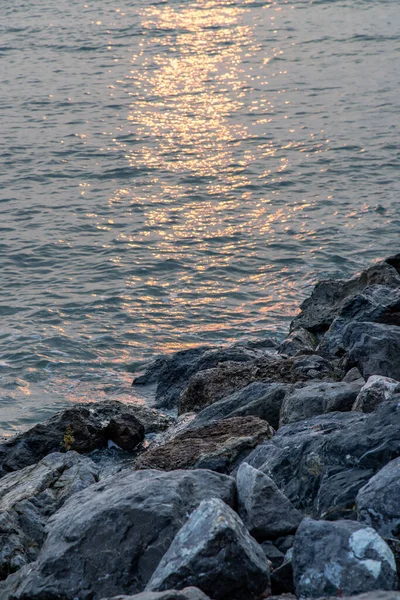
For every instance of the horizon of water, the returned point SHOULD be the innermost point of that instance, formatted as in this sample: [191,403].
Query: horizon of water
[180,173]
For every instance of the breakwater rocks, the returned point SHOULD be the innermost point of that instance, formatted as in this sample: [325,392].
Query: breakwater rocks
[278,476]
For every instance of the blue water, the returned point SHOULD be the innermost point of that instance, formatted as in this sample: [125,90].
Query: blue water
[175,173]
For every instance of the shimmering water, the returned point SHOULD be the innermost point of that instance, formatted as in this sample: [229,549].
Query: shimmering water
[180,172]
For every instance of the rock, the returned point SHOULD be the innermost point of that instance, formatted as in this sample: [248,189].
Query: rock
[213,551]
[189,593]
[262,400]
[29,497]
[353,375]
[83,428]
[317,398]
[376,390]
[274,556]
[378,501]
[220,446]
[126,522]
[207,387]
[284,543]
[377,304]
[299,341]
[376,595]
[265,511]
[373,348]
[321,463]
[319,310]
[340,558]
[282,577]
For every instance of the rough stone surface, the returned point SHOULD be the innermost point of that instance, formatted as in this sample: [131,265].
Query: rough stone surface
[213,551]
[265,511]
[376,390]
[126,522]
[211,385]
[274,556]
[220,446]
[328,297]
[321,463]
[299,341]
[317,398]
[189,593]
[378,501]
[262,400]
[83,427]
[341,557]
[29,497]
[282,577]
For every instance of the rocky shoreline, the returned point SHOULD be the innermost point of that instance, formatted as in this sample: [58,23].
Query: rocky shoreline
[277,476]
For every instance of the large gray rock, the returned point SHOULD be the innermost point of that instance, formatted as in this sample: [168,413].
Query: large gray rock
[340,558]
[299,341]
[214,551]
[207,387]
[317,398]
[29,497]
[109,539]
[376,390]
[83,428]
[321,463]
[265,511]
[328,297]
[378,501]
[172,373]
[220,446]
[189,593]
[262,400]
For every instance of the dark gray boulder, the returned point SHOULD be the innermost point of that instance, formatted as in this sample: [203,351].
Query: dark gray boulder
[378,501]
[376,390]
[214,551]
[109,539]
[189,593]
[316,398]
[327,299]
[274,556]
[340,558]
[207,387]
[83,428]
[262,400]
[299,341]
[265,511]
[220,446]
[321,463]
[29,497]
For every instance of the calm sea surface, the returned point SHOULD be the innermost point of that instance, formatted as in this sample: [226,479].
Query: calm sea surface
[179,173]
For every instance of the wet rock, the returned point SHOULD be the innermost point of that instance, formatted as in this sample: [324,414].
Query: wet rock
[189,593]
[207,387]
[282,577]
[83,428]
[340,558]
[29,497]
[317,398]
[376,390]
[220,446]
[126,523]
[213,551]
[265,511]
[378,501]
[321,463]
[373,348]
[262,400]
[299,341]
[327,299]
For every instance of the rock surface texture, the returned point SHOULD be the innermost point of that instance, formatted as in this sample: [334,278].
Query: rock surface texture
[214,552]
[189,593]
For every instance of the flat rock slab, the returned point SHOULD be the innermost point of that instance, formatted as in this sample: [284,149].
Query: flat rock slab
[109,539]
[317,398]
[340,558]
[219,446]
[83,428]
[214,551]
[29,497]
[189,593]
[265,511]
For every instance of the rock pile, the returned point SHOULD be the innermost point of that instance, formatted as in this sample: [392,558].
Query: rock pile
[278,477]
